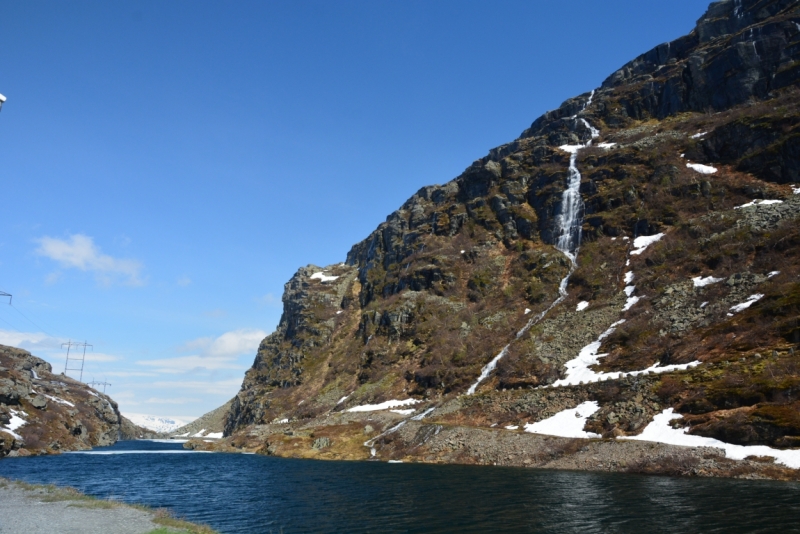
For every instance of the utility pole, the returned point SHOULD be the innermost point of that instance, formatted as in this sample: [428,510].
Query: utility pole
[104,384]
[75,358]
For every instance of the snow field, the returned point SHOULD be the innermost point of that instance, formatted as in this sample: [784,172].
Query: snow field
[383,406]
[641,243]
[567,423]
[758,203]
[322,277]
[660,431]
[702,169]
[699,281]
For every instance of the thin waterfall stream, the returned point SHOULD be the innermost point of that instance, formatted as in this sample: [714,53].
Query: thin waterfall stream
[568,230]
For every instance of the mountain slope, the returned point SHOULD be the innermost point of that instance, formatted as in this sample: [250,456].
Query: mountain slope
[42,412]
[635,249]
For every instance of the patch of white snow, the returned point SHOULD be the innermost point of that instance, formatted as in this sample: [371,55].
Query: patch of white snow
[660,431]
[698,135]
[512,427]
[606,145]
[60,401]
[408,411]
[216,435]
[342,399]
[773,273]
[699,281]
[322,277]
[582,305]
[758,203]
[571,148]
[527,311]
[746,304]
[199,434]
[568,423]
[702,169]
[630,302]
[628,277]
[641,243]
[383,406]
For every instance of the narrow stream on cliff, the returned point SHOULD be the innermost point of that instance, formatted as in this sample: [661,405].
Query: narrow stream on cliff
[568,231]
[236,493]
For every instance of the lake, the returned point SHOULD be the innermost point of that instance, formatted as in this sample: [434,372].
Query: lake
[238,493]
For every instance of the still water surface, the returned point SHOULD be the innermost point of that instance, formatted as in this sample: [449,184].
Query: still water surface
[237,493]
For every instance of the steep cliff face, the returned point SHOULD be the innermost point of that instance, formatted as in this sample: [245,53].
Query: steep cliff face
[469,287]
[42,412]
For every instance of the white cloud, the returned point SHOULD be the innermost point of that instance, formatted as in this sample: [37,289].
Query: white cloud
[30,341]
[184,281]
[80,252]
[214,353]
[222,387]
[172,400]
[184,364]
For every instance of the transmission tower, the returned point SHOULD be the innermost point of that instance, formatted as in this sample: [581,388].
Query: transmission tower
[104,384]
[75,357]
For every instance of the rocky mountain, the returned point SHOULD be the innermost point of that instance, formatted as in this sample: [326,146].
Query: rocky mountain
[625,270]
[211,423]
[42,412]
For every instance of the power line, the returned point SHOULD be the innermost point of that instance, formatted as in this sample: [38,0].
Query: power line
[4,294]
[31,320]
[94,383]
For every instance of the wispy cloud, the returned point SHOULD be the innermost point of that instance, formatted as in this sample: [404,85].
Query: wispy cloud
[184,281]
[219,387]
[79,251]
[171,400]
[213,354]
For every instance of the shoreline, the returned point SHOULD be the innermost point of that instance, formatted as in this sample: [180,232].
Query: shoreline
[343,437]
[42,509]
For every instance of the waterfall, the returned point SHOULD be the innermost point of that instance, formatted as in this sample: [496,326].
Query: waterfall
[568,230]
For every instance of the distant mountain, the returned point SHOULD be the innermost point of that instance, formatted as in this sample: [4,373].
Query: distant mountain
[626,269]
[158,423]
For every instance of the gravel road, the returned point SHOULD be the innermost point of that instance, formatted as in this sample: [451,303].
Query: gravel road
[31,511]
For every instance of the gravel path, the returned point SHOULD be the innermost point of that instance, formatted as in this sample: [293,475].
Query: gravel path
[31,511]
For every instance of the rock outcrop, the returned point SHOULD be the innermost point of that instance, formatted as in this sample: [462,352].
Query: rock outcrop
[43,413]
[694,143]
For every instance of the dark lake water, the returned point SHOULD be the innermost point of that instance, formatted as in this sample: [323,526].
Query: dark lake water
[237,493]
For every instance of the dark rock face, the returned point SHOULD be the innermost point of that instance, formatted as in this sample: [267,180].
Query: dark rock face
[458,272]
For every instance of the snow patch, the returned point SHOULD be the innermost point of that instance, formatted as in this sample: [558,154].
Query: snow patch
[60,401]
[630,302]
[16,421]
[383,406]
[773,273]
[641,243]
[698,135]
[322,277]
[342,400]
[216,435]
[578,368]
[283,421]
[407,411]
[572,149]
[746,304]
[199,434]
[527,311]
[568,423]
[660,431]
[796,190]
[606,145]
[702,169]
[628,277]
[699,281]
[758,203]
[512,427]
[582,305]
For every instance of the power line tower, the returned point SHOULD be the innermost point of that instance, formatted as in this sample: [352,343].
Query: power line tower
[104,384]
[75,357]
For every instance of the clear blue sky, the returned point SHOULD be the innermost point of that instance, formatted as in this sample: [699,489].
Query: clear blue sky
[167,166]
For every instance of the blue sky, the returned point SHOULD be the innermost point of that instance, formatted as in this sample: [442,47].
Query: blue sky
[167,166]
